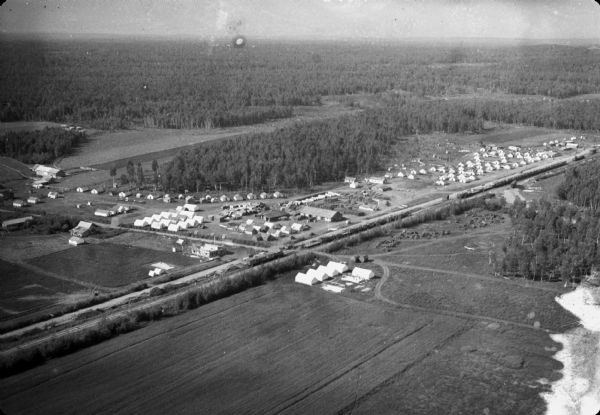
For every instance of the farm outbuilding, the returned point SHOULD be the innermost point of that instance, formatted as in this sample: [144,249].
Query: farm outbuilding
[13,224]
[83,229]
[363,274]
[103,213]
[75,241]
[47,171]
[274,215]
[19,203]
[208,250]
[52,195]
[322,214]
[32,200]
[305,279]
[377,180]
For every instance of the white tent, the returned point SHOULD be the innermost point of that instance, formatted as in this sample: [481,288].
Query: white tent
[323,273]
[363,273]
[156,225]
[302,278]
[173,227]
[139,223]
[331,271]
[338,266]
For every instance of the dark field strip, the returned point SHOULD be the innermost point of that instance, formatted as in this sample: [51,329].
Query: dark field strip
[274,347]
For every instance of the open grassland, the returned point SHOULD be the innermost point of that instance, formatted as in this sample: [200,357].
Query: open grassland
[285,348]
[20,247]
[103,149]
[470,294]
[107,264]
[11,170]
[486,370]
[24,291]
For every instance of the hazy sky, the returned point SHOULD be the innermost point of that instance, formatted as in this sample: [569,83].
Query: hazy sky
[537,19]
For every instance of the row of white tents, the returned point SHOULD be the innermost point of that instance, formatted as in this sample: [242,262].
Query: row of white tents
[333,269]
[173,221]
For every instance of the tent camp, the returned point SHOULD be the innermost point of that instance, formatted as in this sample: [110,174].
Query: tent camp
[302,278]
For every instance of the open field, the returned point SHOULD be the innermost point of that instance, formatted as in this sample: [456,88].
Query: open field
[103,149]
[20,247]
[26,125]
[11,170]
[486,370]
[284,348]
[108,264]
[24,291]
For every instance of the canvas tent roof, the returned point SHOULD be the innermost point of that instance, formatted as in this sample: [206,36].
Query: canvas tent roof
[363,273]
[338,266]
[302,278]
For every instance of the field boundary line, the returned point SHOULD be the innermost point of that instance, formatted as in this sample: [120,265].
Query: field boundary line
[353,365]
[459,314]
[470,275]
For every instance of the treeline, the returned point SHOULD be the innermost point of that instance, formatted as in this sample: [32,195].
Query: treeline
[187,84]
[581,186]
[307,154]
[551,241]
[578,115]
[39,146]
[560,239]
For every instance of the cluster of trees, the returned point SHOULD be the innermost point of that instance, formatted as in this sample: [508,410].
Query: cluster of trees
[579,115]
[307,154]
[581,186]
[560,239]
[187,84]
[39,146]
[551,241]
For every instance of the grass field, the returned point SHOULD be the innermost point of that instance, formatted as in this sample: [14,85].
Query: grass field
[11,169]
[23,291]
[285,348]
[103,149]
[107,264]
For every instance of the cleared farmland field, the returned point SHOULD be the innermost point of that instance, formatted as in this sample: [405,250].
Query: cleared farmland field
[486,370]
[23,291]
[478,296]
[107,264]
[278,348]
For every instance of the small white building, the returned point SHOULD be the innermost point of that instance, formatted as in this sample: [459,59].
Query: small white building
[363,273]
[76,240]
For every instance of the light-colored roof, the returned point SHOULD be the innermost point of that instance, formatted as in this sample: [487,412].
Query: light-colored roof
[17,221]
[323,213]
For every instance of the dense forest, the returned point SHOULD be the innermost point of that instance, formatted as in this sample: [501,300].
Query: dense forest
[311,153]
[582,186]
[560,239]
[306,154]
[187,84]
[40,146]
